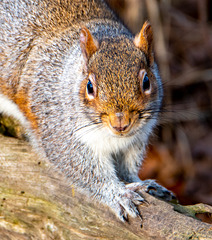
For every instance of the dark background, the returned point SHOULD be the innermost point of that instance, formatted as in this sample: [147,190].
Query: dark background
[180,155]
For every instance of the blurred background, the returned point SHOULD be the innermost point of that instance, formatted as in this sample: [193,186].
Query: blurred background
[180,155]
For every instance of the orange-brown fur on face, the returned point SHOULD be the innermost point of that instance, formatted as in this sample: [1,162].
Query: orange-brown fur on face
[119,88]
[120,125]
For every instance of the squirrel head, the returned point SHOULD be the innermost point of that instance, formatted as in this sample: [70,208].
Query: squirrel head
[121,89]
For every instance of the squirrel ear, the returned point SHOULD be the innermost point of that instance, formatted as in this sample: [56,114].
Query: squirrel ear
[89,45]
[144,41]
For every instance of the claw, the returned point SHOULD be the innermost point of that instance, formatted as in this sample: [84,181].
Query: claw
[123,218]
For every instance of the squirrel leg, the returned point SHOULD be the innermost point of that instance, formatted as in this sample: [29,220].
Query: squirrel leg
[128,171]
[114,193]
[100,180]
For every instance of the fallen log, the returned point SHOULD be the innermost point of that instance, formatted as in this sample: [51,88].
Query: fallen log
[36,202]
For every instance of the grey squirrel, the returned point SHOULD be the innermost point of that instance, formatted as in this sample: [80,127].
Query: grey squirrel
[87,91]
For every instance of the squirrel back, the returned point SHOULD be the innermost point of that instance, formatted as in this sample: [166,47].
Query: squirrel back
[87,90]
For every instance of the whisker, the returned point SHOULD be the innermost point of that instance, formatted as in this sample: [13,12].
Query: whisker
[88,129]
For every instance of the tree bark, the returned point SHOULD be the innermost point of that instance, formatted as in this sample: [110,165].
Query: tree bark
[36,202]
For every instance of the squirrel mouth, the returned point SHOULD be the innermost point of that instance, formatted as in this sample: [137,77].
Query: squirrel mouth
[121,129]
[120,123]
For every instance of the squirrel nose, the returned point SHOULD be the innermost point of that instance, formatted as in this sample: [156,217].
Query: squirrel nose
[119,121]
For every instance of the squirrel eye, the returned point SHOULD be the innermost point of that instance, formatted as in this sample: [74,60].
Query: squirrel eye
[91,87]
[146,83]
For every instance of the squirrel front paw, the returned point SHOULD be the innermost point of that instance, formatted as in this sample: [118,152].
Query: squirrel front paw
[153,188]
[125,204]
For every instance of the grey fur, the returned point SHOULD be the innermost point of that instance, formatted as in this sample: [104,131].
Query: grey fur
[40,53]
